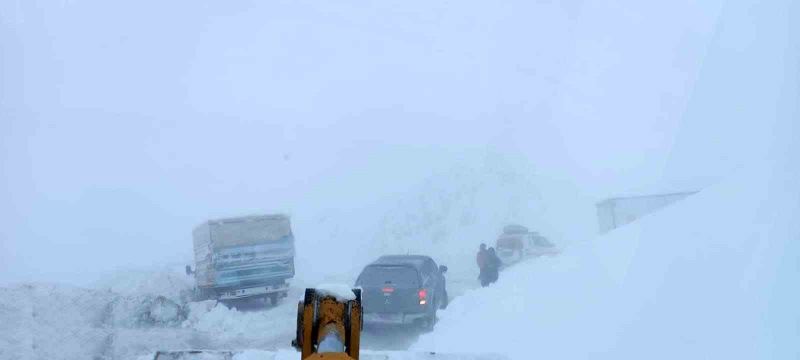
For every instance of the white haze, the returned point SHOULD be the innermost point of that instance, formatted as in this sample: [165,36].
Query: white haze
[124,124]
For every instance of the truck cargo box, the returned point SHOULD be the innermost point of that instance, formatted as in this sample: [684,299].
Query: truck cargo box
[242,256]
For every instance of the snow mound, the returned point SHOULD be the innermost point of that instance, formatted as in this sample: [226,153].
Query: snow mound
[45,321]
[341,292]
[711,277]
[144,310]
[252,354]
[169,281]
[231,323]
[55,321]
[243,329]
[257,355]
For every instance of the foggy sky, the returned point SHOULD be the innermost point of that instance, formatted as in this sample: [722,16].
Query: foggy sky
[124,124]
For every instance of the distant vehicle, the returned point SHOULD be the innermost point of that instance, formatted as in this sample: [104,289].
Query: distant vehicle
[541,246]
[243,257]
[517,243]
[618,211]
[403,290]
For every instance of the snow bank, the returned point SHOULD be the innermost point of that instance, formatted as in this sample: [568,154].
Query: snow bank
[169,281]
[257,355]
[341,292]
[45,321]
[366,355]
[56,321]
[711,277]
[228,328]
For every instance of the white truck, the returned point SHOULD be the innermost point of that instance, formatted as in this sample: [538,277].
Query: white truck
[243,257]
[618,211]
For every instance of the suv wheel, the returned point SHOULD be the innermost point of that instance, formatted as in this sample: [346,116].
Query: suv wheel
[273,299]
[429,322]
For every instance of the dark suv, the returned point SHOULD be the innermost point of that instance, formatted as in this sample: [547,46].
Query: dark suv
[403,289]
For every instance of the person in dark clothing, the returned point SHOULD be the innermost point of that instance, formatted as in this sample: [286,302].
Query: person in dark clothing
[493,263]
[482,259]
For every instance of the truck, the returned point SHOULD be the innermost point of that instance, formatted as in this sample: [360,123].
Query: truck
[243,258]
[618,211]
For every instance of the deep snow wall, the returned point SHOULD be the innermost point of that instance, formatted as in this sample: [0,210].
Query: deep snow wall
[46,321]
[711,277]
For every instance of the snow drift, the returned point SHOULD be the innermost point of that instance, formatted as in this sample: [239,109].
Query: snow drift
[713,276]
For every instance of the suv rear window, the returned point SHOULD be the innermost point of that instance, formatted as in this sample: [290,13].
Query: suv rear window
[401,276]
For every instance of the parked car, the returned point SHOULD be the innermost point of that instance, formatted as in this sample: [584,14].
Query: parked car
[517,243]
[403,290]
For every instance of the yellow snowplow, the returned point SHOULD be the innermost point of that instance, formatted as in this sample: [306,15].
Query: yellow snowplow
[329,324]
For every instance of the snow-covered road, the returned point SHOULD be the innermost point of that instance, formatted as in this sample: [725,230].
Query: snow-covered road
[66,322]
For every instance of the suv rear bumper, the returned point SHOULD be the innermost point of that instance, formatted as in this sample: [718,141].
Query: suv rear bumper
[393,318]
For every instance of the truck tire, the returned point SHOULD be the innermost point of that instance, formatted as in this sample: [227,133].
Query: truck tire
[274,298]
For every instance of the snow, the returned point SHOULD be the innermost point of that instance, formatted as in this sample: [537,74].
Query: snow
[249,327]
[51,321]
[257,355]
[341,292]
[711,277]
[366,355]
[705,278]
[446,216]
[168,280]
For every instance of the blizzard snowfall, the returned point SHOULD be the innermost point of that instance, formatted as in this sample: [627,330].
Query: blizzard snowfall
[711,277]
[688,281]
[714,84]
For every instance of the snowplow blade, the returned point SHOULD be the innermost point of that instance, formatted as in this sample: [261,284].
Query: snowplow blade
[194,355]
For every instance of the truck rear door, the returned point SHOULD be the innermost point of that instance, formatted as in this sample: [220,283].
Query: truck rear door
[390,289]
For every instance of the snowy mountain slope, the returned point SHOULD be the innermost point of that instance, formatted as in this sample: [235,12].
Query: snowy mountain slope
[710,277]
[446,215]
[451,213]
[366,80]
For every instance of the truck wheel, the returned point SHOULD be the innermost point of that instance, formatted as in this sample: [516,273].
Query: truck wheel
[201,294]
[273,299]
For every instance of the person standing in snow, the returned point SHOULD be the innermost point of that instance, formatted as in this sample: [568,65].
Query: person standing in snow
[492,266]
[481,259]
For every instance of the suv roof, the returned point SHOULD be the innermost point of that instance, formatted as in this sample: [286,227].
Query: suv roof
[417,261]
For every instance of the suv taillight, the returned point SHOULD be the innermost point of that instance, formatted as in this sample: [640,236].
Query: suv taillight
[423,296]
